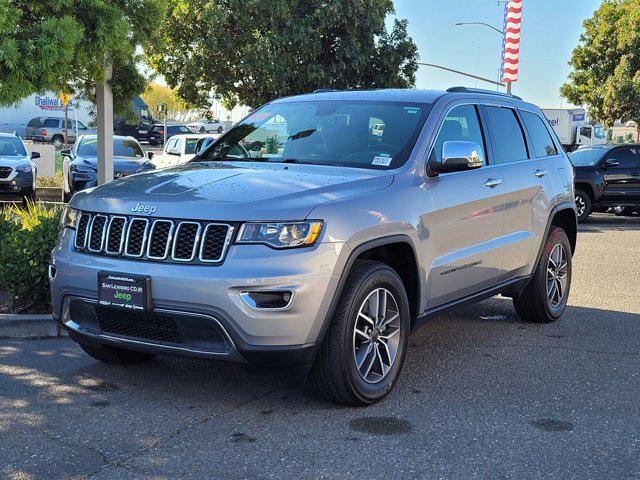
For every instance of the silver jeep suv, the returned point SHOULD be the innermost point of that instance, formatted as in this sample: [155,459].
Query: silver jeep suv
[319,232]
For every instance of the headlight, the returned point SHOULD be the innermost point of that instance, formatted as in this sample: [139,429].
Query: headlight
[24,168]
[281,235]
[82,168]
[69,217]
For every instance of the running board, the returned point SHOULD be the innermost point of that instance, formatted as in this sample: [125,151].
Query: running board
[514,286]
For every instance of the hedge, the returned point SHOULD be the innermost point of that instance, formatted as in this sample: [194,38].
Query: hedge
[27,237]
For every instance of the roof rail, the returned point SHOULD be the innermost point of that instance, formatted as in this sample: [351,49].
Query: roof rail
[481,91]
[325,90]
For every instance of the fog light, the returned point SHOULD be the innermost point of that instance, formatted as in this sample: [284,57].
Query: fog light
[13,182]
[268,300]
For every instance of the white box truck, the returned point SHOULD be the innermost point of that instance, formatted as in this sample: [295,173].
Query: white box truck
[48,104]
[573,129]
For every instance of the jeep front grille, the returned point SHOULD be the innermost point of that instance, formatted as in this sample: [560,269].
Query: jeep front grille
[153,239]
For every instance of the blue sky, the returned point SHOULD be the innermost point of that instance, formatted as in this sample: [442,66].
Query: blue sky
[550,31]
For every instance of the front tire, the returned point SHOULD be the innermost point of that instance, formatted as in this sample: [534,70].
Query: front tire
[584,205]
[114,355]
[220,129]
[203,130]
[545,298]
[363,351]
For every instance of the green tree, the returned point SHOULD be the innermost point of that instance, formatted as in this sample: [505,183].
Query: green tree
[156,94]
[251,51]
[64,45]
[606,64]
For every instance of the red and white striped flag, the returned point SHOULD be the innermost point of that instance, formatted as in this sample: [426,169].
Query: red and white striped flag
[511,43]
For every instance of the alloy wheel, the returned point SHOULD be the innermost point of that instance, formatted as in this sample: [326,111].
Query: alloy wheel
[376,335]
[557,270]
[580,206]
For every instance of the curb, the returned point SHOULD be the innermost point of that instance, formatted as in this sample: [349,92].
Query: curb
[30,326]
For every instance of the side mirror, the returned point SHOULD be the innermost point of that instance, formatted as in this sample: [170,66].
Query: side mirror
[35,155]
[66,152]
[611,163]
[149,155]
[458,156]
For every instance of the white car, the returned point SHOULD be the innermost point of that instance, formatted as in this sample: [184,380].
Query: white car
[206,126]
[181,148]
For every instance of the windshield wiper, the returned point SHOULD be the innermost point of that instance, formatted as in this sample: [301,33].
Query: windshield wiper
[310,162]
[232,159]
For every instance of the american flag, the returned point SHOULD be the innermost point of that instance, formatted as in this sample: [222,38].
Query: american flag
[511,43]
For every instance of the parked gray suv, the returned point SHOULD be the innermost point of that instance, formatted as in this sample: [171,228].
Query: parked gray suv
[51,129]
[304,238]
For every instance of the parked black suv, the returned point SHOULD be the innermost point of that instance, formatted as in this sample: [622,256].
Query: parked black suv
[606,176]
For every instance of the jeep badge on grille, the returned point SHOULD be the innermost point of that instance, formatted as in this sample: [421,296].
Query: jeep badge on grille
[148,209]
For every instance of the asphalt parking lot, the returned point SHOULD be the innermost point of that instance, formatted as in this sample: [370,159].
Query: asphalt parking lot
[482,395]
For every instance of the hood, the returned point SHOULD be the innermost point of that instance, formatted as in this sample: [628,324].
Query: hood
[13,161]
[119,163]
[233,191]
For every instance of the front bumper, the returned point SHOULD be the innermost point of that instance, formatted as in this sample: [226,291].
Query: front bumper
[199,297]
[16,183]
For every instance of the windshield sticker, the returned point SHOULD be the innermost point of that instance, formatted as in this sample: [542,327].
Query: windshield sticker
[382,160]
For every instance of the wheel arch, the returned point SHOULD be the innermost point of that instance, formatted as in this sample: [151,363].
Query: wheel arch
[378,250]
[588,188]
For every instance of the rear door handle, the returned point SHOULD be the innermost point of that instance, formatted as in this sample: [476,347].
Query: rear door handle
[493,182]
[540,173]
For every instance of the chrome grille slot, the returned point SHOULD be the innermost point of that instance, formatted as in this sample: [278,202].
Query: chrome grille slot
[82,230]
[115,235]
[97,233]
[186,241]
[163,240]
[215,239]
[160,237]
[136,237]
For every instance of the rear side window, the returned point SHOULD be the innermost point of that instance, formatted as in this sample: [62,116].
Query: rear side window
[541,141]
[34,123]
[50,123]
[626,156]
[461,124]
[506,135]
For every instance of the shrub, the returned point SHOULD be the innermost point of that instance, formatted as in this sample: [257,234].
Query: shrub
[27,237]
[49,182]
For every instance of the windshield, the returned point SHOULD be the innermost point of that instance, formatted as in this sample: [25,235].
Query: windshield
[587,157]
[12,147]
[122,147]
[361,134]
[599,132]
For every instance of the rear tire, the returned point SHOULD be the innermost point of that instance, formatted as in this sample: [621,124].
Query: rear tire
[203,130]
[363,351]
[115,355]
[545,297]
[58,141]
[584,206]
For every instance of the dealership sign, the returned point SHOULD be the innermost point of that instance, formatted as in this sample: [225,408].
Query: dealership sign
[45,102]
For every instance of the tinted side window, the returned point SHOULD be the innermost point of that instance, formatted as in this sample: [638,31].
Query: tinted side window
[34,123]
[50,123]
[506,135]
[461,124]
[626,156]
[541,141]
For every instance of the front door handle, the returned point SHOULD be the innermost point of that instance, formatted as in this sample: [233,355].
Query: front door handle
[540,173]
[493,182]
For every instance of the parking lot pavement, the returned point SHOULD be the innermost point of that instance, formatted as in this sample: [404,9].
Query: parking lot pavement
[482,395]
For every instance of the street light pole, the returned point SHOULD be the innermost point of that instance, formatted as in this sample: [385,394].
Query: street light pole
[459,24]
